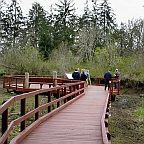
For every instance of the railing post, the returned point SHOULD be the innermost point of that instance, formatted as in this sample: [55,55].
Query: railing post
[26,84]
[65,94]
[118,86]
[9,81]
[49,100]
[74,89]
[96,80]
[58,96]
[23,112]
[70,91]
[77,87]
[4,81]
[16,83]
[54,78]
[111,86]
[83,85]
[36,106]
[5,122]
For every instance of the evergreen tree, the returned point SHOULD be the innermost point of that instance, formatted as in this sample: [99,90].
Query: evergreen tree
[40,30]
[65,23]
[130,38]
[2,4]
[13,23]
[94,15]
[86,17]
[36,21]
[106,17]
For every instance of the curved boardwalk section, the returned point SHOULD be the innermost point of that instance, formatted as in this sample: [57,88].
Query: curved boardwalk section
[78,123]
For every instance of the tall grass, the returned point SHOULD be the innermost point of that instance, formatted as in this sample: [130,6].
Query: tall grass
[140,111]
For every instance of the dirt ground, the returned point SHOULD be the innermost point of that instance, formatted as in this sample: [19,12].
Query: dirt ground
[126,126]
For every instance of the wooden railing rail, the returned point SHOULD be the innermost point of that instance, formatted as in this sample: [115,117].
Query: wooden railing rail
[70,92]
[18,82]
[113,92]
[104,122]
[68,89]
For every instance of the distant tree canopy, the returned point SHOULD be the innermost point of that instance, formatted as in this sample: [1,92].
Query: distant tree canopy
[93,38]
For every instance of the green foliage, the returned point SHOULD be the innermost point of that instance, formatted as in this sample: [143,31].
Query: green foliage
[62,59]
[12,108]
[2,72]
[37,23]
[140,112]
[65,23]
[106,59]
[44,42]
[131,68]
[106,16]
[20,61]
[13,22]
[126,123]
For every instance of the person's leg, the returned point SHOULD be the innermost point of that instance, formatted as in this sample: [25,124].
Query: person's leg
[116,85]
[105,84]
[89,81]
[108,85]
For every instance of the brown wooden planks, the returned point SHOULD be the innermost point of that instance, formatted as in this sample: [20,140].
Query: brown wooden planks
[78,123]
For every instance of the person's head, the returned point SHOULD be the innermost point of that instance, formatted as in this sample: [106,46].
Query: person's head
[116,70]
[76,69]
[83,71]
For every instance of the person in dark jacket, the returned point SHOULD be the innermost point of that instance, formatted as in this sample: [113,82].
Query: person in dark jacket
[76,75]
[83,77]
[107,77]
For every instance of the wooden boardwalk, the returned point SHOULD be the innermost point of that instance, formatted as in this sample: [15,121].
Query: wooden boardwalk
[78,123]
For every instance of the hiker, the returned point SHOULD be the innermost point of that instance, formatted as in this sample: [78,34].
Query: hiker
[117,77]
[83,77]
[107,77]
[76,75]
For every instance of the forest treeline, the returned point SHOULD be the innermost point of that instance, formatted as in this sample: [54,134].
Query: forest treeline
[59,39]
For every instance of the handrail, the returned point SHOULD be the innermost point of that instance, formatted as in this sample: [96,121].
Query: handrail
[70,91]
[18,83]
[104,122]
[114,91]
[98,81]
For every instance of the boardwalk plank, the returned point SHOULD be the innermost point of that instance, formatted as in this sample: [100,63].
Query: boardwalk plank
[78,123]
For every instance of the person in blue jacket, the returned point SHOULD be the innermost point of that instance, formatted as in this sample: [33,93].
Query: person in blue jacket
[107,77]
[76,75]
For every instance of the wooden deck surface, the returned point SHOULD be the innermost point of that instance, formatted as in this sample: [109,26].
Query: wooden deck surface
[78,123]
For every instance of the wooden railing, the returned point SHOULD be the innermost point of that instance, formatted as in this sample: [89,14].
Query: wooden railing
[104,122]
[65,94]
[101,82]
[70,90]
[97,81]
[17,83]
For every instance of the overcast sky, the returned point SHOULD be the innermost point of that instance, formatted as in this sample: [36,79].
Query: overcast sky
[124,9]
